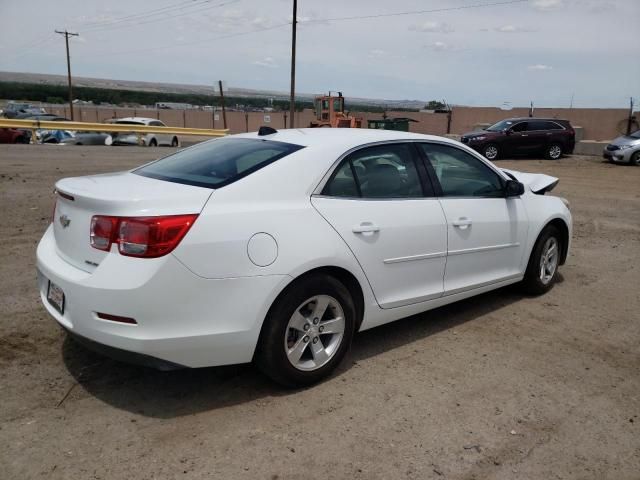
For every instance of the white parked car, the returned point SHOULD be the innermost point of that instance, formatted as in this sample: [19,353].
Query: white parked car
[148,139]
[277,247]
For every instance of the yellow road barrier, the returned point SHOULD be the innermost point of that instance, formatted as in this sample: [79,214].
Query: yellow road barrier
[34,125]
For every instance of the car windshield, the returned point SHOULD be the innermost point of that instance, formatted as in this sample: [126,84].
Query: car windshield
[128,122]
[635,134]
[500,126]
[217,163]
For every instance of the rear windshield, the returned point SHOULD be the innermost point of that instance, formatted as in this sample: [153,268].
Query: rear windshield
[217,163]
[128,122]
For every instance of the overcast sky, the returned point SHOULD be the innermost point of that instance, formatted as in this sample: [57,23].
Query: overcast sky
[541,50]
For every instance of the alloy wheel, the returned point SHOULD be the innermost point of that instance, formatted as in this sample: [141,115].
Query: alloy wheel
[491,152]
[314,332]
[555,152]
[548,260]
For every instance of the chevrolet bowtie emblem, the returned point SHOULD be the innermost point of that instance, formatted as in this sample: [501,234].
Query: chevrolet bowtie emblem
[64,221]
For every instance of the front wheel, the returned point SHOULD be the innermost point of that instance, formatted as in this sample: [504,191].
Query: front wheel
[307,331]
[491,152]
[174,142]
[635,159]
[542,270]
[553,152]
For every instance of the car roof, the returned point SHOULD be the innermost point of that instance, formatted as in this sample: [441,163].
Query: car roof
[520,119]
[345,137]
[144,120]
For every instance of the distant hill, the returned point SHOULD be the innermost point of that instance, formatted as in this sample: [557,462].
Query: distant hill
[179,88]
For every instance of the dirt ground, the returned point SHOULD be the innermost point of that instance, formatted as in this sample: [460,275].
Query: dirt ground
[500,386]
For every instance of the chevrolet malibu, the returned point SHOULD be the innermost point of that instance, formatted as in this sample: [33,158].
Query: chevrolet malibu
[278,246]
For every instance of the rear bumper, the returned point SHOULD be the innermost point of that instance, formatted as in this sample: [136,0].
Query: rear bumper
[123,355]
[182,319]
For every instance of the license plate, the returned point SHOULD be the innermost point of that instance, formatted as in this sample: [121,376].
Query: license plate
[55,296]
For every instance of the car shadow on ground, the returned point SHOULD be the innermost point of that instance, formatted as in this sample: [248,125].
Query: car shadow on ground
[157,394]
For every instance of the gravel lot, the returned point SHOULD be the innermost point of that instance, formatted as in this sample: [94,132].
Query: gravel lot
[500,386]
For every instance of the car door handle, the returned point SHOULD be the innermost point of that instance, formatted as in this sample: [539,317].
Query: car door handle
[524,135]
[462,223]
[366,227]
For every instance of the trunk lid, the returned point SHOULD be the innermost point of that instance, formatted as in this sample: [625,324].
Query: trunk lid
[120,194]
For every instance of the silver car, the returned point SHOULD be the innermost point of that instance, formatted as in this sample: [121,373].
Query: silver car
[625,149]
[148,139]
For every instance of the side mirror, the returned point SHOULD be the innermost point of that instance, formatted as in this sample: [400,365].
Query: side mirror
[513,188]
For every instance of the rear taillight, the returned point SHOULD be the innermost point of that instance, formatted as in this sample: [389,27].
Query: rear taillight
[146,237]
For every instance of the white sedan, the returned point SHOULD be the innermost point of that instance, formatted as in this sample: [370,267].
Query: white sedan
[276,247]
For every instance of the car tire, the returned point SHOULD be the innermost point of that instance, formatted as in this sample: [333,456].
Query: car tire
[174,142]
[22,140]
[491,152]
[635,159]
[553,151]
[153,142]
[292,349]
[542,269]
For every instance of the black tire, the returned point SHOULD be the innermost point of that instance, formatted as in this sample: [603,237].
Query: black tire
[153,143]
[271,356]
[553,152]
[635,159]
[491,152]
[174,142]
[22,139]
[532,282]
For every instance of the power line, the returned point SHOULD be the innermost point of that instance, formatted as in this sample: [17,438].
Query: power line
[146,13]
[336,19]
[415,12]
[133,22]
[186,44]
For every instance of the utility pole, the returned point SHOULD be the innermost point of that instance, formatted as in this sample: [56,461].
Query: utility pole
[292,100]
[630,119]
[66,39]
[224,112]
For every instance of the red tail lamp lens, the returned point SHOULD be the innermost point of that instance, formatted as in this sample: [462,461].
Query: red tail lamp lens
[145,237]
[102,232]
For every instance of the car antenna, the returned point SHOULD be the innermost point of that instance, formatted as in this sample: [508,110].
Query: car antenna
[266,131]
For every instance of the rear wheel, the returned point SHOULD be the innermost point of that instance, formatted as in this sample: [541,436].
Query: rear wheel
[307,332]
[635,159]
[491,152]
[174,142]
[153,143]
[22,139]
[554,151]
[542,269]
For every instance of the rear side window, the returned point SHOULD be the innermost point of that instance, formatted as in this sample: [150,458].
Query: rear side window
[384,171]
[217,163]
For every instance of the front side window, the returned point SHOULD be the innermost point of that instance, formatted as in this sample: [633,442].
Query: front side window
[461,174]
[383,171]
[217,163]
[519,127]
